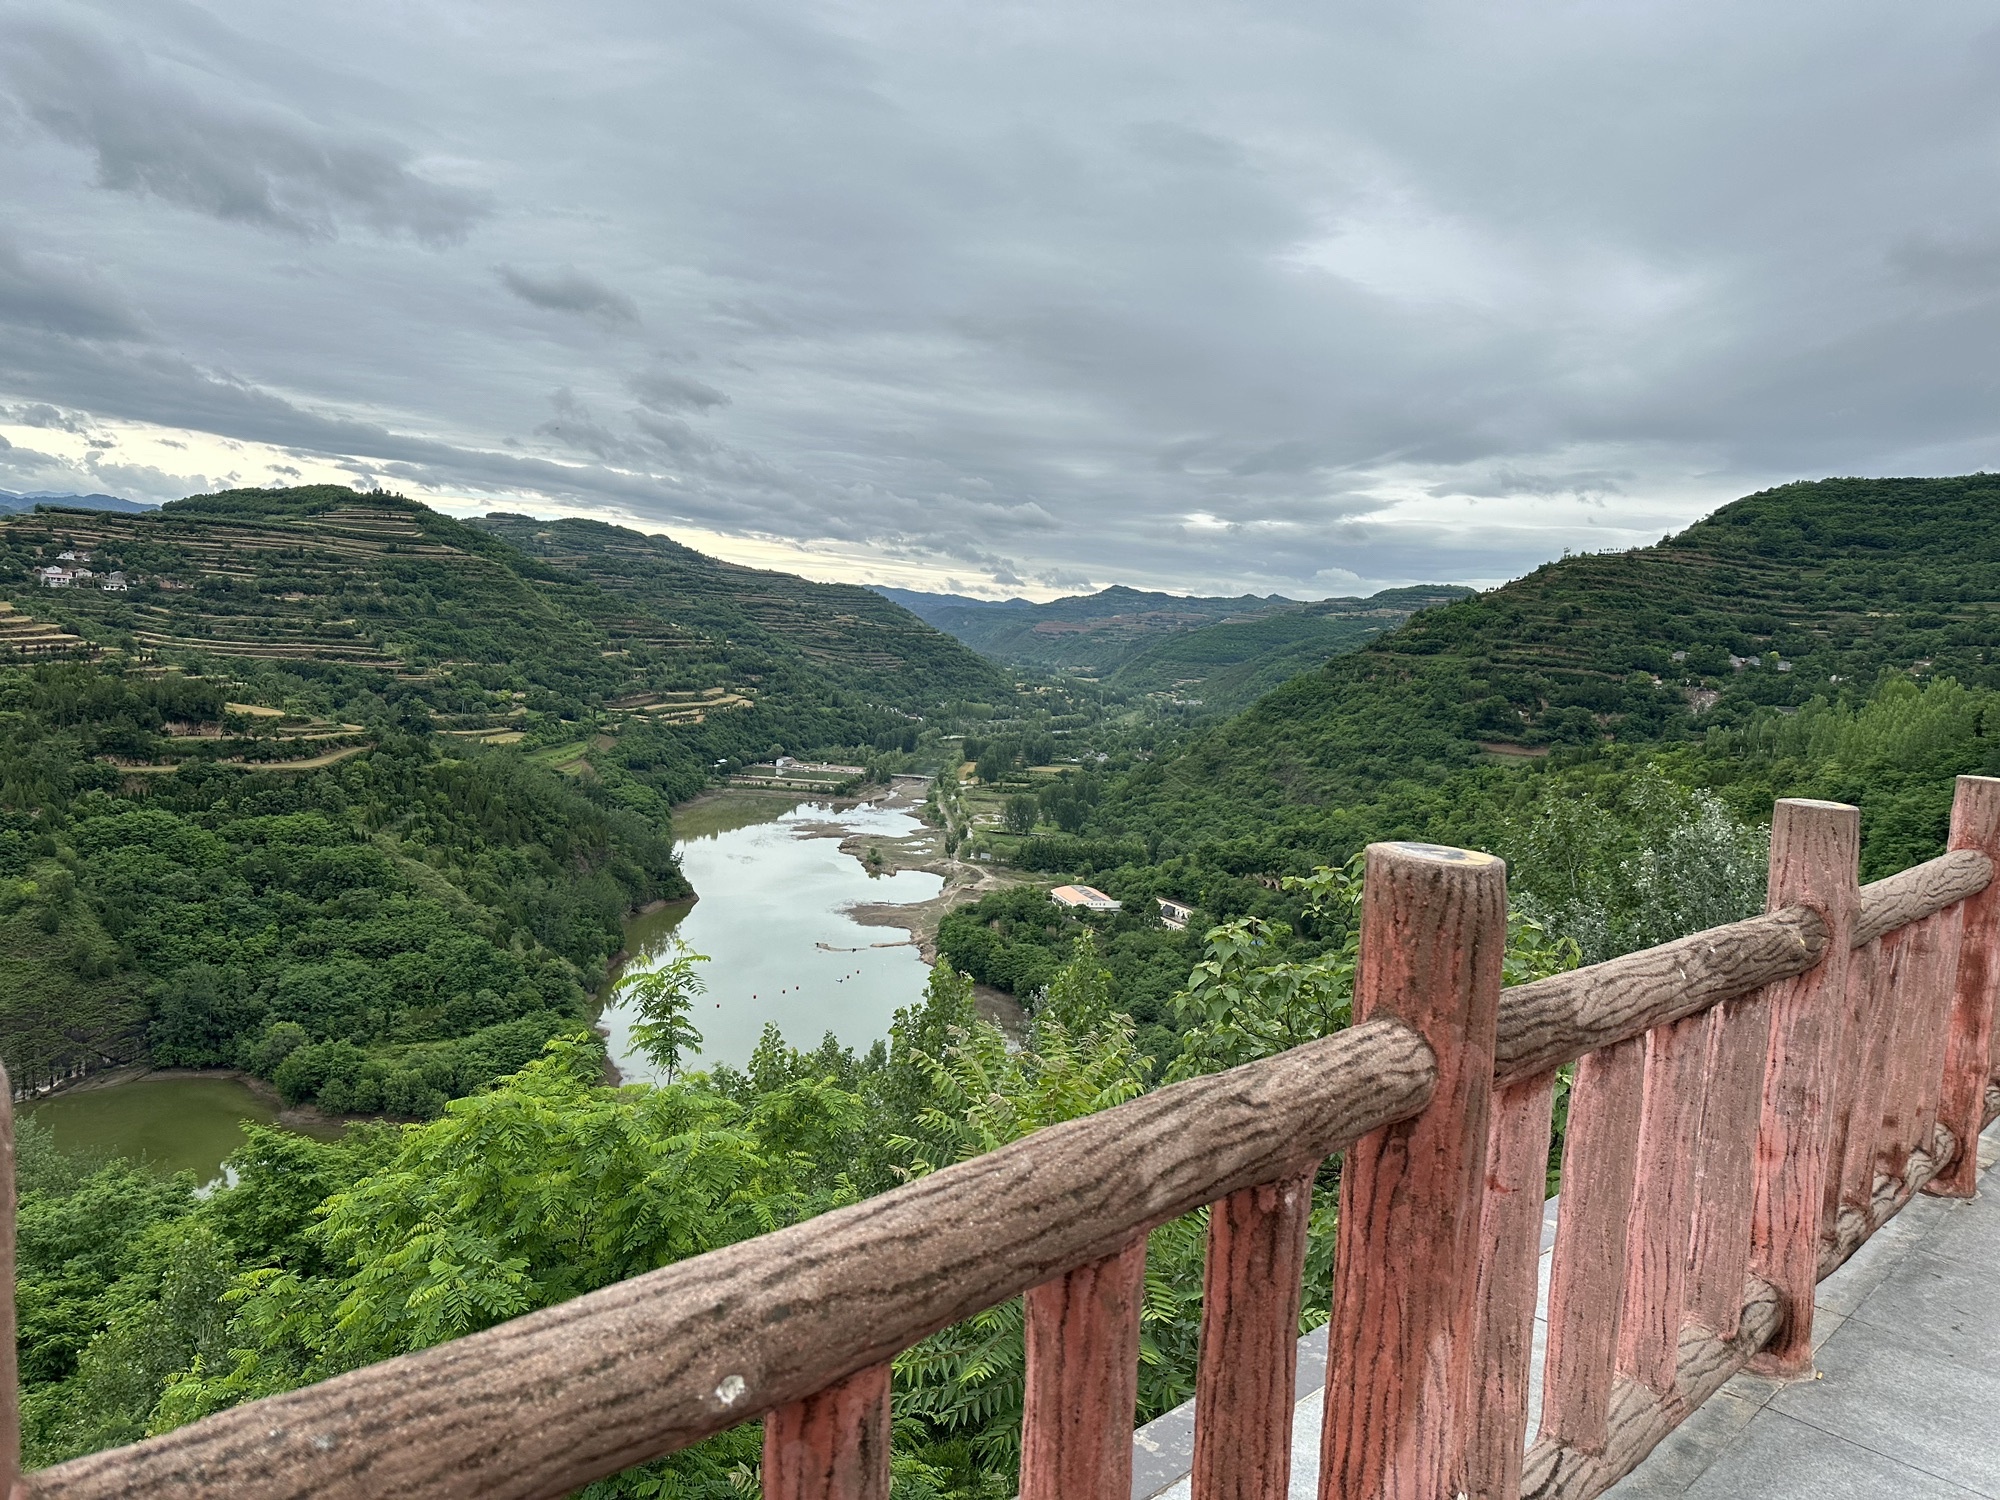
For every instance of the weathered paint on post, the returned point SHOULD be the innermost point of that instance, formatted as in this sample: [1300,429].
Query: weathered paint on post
[1083,1380]
[1815,856]
[833,1445]
[1873,973]
[1510,1243]
[1587,1273]
[1739,1040]
[1245,1384]
[1940,986]
[1975,824]
[1400,1377]
[1656,1256]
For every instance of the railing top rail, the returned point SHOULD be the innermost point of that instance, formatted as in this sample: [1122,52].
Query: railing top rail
[1554,1021]
[547,1402]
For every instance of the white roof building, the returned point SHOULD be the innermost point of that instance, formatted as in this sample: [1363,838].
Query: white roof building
[1082,898]
[54,578]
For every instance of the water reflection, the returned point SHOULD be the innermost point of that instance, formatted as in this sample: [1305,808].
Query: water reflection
[773,919]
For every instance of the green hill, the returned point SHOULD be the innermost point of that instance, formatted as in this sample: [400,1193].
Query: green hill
[1089,634]
[369,607]
[1228,665]
[650,591]
[1797,592]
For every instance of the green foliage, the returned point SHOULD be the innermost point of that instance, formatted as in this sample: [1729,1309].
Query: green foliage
[378,936]
[662,996]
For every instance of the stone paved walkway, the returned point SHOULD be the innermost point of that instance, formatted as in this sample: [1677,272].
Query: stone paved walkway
[1905,1404]
[1906,1400]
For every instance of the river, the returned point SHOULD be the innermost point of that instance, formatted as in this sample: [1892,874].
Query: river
[774,892]
[773,917]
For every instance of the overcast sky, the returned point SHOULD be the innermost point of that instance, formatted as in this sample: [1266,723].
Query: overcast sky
[1002,297]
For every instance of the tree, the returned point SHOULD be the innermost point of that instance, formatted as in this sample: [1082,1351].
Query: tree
[663,995]
[1021,814]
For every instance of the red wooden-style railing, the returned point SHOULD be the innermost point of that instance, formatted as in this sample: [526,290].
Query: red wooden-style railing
[1748,1105]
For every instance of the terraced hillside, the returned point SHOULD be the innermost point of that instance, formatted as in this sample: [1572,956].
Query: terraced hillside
[1228,665]
[1772,600]
[652,590]
[318,574]
[1089,634]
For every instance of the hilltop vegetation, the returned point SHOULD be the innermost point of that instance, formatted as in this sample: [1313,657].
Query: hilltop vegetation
[1808,591]
[354,796]
[1226,666]
[1102,634]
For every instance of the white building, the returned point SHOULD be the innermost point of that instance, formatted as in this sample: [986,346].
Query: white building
[113,583]
[1082,898]
[54,578]
[1174,914]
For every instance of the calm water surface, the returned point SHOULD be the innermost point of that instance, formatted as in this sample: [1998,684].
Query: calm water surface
[176,1124]
[773,919]
[772,916]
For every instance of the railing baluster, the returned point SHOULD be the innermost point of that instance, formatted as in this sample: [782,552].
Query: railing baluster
[1656,1264]
[1937,997]
[10,1378]
[1587,1275]
[1083,1380]
[834,1445]
[1850,1080]
[1510,1243]
[1815,854]
[1245,1384]
[1975,824]
[1725,1163]
[1400,1380]
[1916,975]
[1874,969]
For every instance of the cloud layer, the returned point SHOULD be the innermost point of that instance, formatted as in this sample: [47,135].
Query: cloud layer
[1302,297]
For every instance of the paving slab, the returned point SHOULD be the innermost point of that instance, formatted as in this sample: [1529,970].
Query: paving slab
[1904,1402]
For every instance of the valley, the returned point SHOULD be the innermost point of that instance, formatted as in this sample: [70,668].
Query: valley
[405,820]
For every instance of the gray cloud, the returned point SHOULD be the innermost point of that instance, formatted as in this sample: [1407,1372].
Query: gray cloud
[41,414]
[570,291]
[36,293]
[669,390]
[1313,301]
[154,133]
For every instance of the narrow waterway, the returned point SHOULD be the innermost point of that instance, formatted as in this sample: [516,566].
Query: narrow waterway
[773,916]
[772,913]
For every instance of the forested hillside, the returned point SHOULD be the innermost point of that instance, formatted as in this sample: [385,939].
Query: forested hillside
[1228,665]
[378,934]
[354,796]
[1796,593]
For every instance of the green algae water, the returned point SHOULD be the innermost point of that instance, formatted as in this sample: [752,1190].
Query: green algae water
[772,914]
[175,1123]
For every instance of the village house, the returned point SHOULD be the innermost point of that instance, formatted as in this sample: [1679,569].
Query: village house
[113,582]
[1082,898]
[1174,914]
[54,578]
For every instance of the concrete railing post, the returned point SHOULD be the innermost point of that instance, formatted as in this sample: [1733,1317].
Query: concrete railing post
[1815,861]
[1975,824]
[1400,1375]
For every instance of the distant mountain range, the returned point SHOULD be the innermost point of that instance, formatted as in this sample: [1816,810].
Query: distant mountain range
[1220,651]
[13,504]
